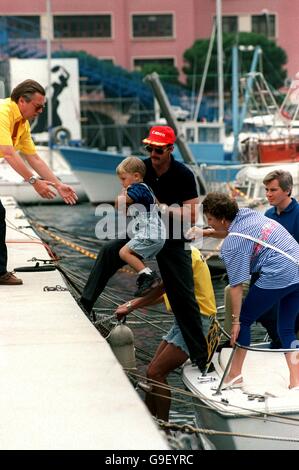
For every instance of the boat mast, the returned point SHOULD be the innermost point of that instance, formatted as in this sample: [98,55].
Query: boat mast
[204,75]
[159,93]
[49,97]
[220,71]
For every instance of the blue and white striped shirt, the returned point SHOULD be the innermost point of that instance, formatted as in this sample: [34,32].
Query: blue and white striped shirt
[242,257]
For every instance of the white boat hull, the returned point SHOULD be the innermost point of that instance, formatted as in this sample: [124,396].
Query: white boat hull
[100,187]
[96,171]
[235,427]
[262,415]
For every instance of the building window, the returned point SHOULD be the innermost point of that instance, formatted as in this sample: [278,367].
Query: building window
[230,24]
[22,27]
[139,63]
[83,26]
[263,24]
[148,26]
[107,61]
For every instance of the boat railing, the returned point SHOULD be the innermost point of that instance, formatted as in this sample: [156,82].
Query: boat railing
[240,179]
[218,177]
[255,348]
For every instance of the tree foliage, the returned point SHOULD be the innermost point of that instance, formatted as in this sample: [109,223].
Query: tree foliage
[273,60]
[167,73]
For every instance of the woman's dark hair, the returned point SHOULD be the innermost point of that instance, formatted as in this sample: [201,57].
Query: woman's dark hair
[220,206]
[27,89]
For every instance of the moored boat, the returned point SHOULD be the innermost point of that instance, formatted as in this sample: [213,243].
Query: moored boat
[278,150]
[250,180]
[263,414]
[95,169]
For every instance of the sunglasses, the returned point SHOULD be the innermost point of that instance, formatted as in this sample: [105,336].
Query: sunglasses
[157,150]
[38,106]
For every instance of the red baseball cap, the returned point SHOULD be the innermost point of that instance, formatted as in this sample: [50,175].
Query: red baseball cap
[160,135]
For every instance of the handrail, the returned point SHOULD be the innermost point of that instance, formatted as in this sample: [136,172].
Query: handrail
[248,348]
[252,348]
[229,166]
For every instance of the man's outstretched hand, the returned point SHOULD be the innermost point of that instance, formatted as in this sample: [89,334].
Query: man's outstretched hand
[67,193]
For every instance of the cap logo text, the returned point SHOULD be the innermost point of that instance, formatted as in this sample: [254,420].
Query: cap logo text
[158,133]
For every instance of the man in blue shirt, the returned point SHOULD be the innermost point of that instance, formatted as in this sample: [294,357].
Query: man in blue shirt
[285,210]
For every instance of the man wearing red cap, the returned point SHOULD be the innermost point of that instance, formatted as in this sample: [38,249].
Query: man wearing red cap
[160,136]
[175,188]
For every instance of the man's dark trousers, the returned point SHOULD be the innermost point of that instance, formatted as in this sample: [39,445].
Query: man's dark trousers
[176,271]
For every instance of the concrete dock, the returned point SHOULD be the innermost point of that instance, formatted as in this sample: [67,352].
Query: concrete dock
[61,386]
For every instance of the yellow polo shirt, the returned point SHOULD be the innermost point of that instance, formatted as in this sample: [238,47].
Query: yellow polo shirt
[203,288]
[9,116]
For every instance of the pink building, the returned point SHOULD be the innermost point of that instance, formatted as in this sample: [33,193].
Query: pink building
[132,32]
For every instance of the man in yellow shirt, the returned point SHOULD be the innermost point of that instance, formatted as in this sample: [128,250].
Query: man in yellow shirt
[172,352]
[26,102]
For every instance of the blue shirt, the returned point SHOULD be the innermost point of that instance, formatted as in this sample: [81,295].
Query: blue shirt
[288,218]
[243,257]
[141,194]
[175,186]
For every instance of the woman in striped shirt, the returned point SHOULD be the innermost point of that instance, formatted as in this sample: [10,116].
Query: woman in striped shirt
[256,243]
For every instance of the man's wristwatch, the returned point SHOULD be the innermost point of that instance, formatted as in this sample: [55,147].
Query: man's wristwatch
[32,179]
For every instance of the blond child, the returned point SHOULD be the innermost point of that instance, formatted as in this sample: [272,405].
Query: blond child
[149,234]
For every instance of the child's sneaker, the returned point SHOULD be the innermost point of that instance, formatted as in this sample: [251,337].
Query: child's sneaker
[146,282]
